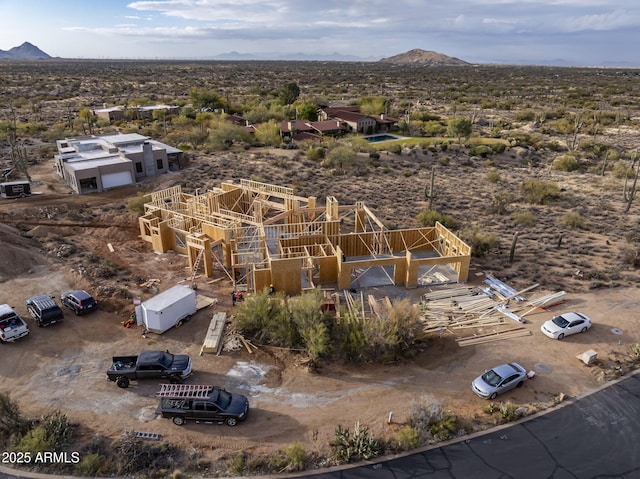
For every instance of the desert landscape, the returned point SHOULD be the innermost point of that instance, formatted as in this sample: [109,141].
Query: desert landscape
[582,238]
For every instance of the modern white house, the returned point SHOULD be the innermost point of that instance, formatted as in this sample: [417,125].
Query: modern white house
[95,163]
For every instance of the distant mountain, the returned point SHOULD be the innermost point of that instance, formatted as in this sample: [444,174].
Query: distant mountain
[423,57]
[26,51]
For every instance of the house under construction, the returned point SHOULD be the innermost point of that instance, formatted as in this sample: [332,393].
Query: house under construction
[262,235]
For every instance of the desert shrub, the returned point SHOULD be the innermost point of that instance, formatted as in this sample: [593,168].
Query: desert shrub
[508,412]
[374,155]
[395,148]
[525,115]
[526,218]
[12,424]
[631,256]
[622,170]
[539,192]
[574,220]
[267,318]
[500,202]
[312,324]
[91,465]
[498,147]
[296,457]
[481,243]
[134,455]
[406,438]
[493,176]
[480,150]
[340,157]
[444,147]
[52,433]
[136,205]
[430,421]
[429,217]
[348,446]
[565,163]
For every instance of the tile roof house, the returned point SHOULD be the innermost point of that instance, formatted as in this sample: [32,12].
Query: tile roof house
[96,163]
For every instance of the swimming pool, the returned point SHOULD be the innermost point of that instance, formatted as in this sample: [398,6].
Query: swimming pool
[381,137]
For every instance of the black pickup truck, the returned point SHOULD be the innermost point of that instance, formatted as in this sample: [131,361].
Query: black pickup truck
[149,365]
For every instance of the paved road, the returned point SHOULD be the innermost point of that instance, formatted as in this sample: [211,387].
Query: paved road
[594,437]
[597,436]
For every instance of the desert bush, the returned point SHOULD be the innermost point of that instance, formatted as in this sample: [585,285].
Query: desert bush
[267,318]
[481,243]
[136,204]
[498,147]
[340,157]
[622,170]
[508,412]
[574,220]
[296,457]
[500,202]
[52,433]
[134,455]
[12,424]
[395,148]
[480,150]
[429,217]
[312,324]
[526,218]
[525,115]
[91,465]
[539,192]
[348,446]
[406,438]
[565,163]
[430,421]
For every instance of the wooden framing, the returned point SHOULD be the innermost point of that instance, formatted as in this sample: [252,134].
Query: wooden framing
[265,235]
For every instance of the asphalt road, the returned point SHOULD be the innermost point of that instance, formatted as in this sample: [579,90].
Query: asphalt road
[593,437]
[596,436]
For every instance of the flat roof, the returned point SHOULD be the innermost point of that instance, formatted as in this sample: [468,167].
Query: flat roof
[79,164]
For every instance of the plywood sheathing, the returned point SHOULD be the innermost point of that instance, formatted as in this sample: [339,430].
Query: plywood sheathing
[267,235]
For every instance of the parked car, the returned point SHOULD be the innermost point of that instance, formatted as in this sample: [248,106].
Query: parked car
[201,403]
[566,324]
[44,310]
[12,326]
[79,301]
[149,365]
[498,380]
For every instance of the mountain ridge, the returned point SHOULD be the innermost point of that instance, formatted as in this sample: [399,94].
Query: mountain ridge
[26,51]
[418,56]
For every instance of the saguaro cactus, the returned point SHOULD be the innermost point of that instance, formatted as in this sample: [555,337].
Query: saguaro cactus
[429,191]
[629,192]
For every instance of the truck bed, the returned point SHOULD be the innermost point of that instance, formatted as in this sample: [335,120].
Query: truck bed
[123,363]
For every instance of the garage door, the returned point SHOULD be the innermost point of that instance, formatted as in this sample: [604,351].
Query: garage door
[112,180]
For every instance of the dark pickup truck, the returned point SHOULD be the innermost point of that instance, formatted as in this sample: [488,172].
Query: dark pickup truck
[149,365]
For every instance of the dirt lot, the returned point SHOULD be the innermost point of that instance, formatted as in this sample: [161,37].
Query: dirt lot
[63,367]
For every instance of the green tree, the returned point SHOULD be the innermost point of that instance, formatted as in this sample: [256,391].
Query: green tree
[88,119]
[268,133]
[289,93]
[308,111]
[205,100]
[340,157]
[459,127]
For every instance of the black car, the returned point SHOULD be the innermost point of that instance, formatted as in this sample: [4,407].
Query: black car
[79,301]
[44,310]
[200,403]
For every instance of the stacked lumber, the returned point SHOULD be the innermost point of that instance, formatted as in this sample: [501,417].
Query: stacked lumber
[233,341]
[493,336]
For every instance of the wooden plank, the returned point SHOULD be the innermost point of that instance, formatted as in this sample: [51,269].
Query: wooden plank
[215,334]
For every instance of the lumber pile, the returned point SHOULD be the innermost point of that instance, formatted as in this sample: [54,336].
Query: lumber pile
[487,310]
[234,341]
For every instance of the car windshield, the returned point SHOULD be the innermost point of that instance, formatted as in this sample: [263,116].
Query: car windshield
[491,378]
[224,399]
[167,360]
[560,321]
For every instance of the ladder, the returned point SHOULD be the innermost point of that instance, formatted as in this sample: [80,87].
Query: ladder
[143,435]
[196,264]
[185,391]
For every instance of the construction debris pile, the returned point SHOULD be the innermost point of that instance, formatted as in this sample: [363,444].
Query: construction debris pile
[482,310]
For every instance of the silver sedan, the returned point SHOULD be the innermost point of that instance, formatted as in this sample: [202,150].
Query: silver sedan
[499,380]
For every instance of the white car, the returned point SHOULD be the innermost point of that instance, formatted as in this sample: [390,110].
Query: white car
[566,324]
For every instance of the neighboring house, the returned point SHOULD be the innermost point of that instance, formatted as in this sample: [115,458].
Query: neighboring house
[300,130]
[358,122]
[116,113]
[97,163]
[328,112]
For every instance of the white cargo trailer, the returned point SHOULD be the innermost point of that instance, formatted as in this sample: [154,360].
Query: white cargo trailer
[170,308]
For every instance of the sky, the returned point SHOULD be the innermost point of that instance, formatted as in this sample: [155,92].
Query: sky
[538,32]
